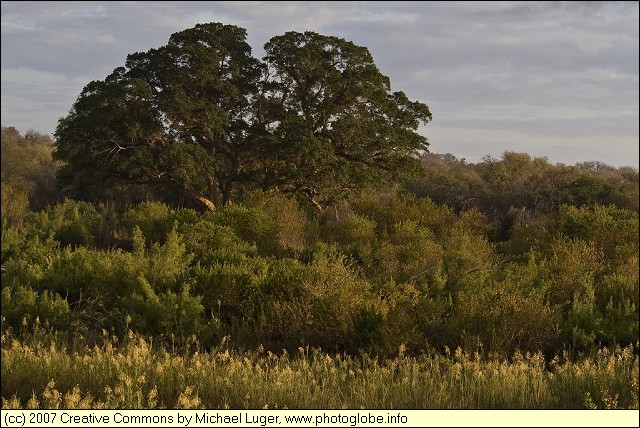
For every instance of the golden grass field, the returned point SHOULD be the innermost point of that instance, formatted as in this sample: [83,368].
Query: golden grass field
[132,372]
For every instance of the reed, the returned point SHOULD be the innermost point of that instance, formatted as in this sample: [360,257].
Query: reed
[133,372]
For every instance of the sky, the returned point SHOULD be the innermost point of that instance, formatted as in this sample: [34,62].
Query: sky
[551,79]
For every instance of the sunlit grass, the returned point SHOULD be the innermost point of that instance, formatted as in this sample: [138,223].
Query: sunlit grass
[134,373]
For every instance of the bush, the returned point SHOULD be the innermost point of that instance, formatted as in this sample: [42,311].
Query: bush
[469,259]
[211,243]
[574,266]
[15,206]
[607,227]
[22,305]
[411,254]
[502,319]
[175,316]
[154,219]
[332,306]
[291,223]
[252,225]
[355,235]
[389,210]
[71,222]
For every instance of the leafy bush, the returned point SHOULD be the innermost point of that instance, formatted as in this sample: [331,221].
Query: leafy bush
[70,222]
[22,306]
[502,319]
[291,222]
[332,306]
[469,259]
[15,206]
[355,235]
[252,225]
[154,219]
[210,243]
[411,253]
[608,227]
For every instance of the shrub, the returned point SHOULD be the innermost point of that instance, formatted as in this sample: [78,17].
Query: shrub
[291,222]
[210,243]
[15,206]
[21,304]
[355,235]
[410,254]
[252,225]
[154,219]
[500,318]
[71,222]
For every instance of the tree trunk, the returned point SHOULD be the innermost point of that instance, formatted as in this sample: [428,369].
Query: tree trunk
[198,197]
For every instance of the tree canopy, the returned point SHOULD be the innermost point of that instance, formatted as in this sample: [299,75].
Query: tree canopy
[201,118]
[336,123]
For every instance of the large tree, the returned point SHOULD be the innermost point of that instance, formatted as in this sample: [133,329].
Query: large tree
[180,117]
[203,118]
[336,124]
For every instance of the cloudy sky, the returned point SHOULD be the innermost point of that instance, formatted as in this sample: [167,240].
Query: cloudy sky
[554,79]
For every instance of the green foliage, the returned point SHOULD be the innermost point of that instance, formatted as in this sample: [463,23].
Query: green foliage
[451,181]
[291,222]
[154,219]
[518,185]
[388,210]
[381,272]
[177,118]
[21,306]
[15,206]
[26,257]
[201,119]
[502,318]
[252,225]
[411,254]
[331,306]
[529,233]
[337,126]
[574,265]
[354,230]
[469,259]
[71,222]
[174,315]
[610,228]
[356,236]
[210,243]
[28,167]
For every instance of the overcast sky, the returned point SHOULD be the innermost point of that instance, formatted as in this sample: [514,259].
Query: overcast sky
[554,79]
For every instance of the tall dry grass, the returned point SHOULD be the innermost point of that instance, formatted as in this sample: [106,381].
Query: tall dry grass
[132,372]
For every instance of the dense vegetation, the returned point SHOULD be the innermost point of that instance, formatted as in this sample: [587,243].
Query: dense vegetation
[300,216]
[557,272]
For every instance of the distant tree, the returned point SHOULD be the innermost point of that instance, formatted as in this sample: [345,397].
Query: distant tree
[450,181]
[27,165]
[336,125]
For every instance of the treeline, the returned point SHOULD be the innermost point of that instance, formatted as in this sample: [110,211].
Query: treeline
[518,185]
[504,255]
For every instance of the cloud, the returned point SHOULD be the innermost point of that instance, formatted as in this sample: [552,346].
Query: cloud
[538,76]
[45,96]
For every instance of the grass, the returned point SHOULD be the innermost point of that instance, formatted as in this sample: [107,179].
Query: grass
[38,372]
